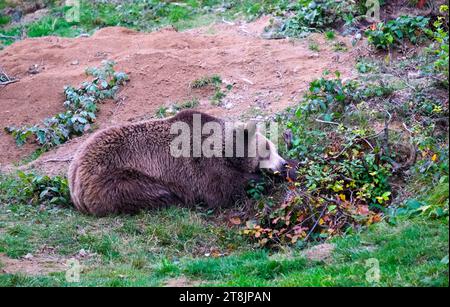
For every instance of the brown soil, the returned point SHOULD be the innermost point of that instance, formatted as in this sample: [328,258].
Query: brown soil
[267,76]
[37,265]
[321,252]
[182,282]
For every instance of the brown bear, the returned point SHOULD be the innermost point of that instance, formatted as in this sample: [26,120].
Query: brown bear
[125,169]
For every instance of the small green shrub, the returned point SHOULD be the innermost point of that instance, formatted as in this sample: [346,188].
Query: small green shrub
[314,46]
[343,180]
[332,96]
[214,81]
[256,190]
[364,67]
[311,16]
[81,104]
[440,45]
[330,35]
[42,190]
[397,32]
[325,93]
[4,20]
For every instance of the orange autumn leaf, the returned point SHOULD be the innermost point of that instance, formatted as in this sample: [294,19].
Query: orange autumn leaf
[377,218]
[434,158]
[235,221]
[363,210]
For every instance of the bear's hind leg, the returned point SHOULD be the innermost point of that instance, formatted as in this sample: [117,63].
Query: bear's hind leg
[130,191]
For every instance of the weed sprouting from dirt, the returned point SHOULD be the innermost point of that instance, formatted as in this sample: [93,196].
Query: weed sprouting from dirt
[215,82]
[173,109]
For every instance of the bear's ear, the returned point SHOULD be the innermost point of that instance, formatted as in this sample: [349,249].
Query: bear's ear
[250,129]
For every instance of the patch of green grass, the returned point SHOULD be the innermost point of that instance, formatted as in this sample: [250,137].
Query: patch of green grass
[33,156]
[409,254]
[137,243]
[142,16]
[340,47]
[161,112]
[9,36]
[214,80]
[314,46]
[15,245]
[4,20]
[330,35]
[3,4]
[257,265]
[164,111]
[149,248]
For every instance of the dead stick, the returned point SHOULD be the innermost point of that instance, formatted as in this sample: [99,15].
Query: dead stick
[9,82]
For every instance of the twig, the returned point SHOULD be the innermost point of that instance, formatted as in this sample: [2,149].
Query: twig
[9,82]
[387,121]
[407,129]
[317,222]
[5,79]
[326,122]
[288,138]
[9,37]
[58,160]
[343,150]
[227,22]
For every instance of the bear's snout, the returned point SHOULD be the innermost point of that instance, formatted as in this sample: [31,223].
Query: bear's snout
[290,170]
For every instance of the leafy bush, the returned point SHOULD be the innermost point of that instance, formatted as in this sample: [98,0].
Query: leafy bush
[397,32]
[440,45]
[435,206]
[81,104]
[332,96]
[313,15]
[37,189]
[346,186]
[256,190]
[343,177]
[4,20]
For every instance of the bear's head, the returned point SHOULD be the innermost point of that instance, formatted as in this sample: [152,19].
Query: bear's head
[254,152]
[243,146]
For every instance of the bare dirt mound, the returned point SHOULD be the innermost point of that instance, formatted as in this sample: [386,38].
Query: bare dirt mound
[267,76]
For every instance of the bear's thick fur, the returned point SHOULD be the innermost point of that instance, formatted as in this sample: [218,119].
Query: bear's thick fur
[128,168]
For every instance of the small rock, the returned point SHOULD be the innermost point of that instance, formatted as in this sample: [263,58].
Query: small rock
[82,253]
[76,62]
[228,105]
[28,256]
[413,74]
[87,128]
[33,69]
